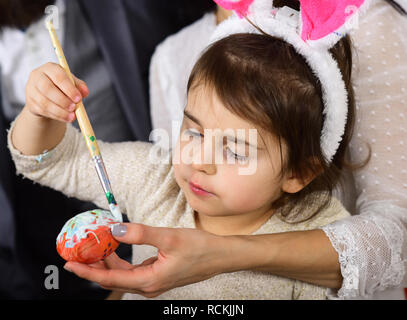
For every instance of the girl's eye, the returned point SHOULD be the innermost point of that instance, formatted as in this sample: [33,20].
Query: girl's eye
[239,158]
[193,133]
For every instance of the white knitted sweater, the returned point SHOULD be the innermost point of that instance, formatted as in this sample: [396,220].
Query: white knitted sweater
[149,194]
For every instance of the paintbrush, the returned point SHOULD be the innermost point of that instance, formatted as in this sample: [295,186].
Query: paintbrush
[87,130]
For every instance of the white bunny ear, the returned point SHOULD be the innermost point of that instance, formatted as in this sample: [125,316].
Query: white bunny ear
[323,22]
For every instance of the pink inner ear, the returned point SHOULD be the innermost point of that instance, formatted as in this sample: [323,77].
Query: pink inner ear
[322,17]
[241,7]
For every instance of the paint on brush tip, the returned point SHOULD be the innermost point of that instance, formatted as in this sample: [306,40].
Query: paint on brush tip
[114,209]
[110,198]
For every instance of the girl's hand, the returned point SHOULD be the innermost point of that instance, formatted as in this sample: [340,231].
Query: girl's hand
[185,256]
[51,94]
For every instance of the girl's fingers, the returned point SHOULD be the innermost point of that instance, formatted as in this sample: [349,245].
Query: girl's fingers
[42,106]
[48,89]
[60,78]
[81,85]
[51,93]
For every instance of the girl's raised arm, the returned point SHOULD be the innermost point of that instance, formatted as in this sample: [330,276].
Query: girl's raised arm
[48,151]
[50,104]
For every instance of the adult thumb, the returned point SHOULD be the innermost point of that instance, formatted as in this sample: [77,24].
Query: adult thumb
[135,233]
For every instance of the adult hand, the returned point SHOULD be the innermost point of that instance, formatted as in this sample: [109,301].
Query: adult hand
[185,256]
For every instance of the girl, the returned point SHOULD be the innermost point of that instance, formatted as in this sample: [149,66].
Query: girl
[242,82]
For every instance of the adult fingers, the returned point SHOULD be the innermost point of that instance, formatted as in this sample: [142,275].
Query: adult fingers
[139,292]
[138,278]
[149,261]
[113,261]
[134,233]
[98,265]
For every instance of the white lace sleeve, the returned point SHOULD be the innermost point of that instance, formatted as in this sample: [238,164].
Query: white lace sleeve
[372,245]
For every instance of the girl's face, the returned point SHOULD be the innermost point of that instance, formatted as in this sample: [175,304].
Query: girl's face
[203,165]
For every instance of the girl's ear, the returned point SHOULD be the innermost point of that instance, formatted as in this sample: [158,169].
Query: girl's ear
[293,183]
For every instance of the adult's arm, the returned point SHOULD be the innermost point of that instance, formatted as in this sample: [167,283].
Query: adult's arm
[372,246]
[187,256]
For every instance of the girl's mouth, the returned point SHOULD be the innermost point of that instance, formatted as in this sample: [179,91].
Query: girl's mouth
[198,190]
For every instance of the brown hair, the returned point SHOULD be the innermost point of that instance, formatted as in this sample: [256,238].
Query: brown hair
[263,80]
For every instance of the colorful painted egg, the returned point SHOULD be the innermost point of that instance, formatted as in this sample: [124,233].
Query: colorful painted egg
[87,238]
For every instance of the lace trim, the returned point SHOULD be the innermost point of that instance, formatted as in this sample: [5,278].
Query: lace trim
[394,274]
[352,241]
[344,244]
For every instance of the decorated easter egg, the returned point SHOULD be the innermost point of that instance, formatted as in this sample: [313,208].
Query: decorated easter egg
[87,238]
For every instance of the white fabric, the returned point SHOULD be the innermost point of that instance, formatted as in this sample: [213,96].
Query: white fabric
[23,51]
[373,245]
[402,3]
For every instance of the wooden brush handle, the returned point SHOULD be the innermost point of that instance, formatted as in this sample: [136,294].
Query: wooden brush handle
[81,115]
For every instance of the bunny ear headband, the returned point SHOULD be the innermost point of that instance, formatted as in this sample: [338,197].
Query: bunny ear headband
[318,26]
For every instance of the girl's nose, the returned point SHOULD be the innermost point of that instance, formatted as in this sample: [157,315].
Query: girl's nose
[209,169]
[204,159]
